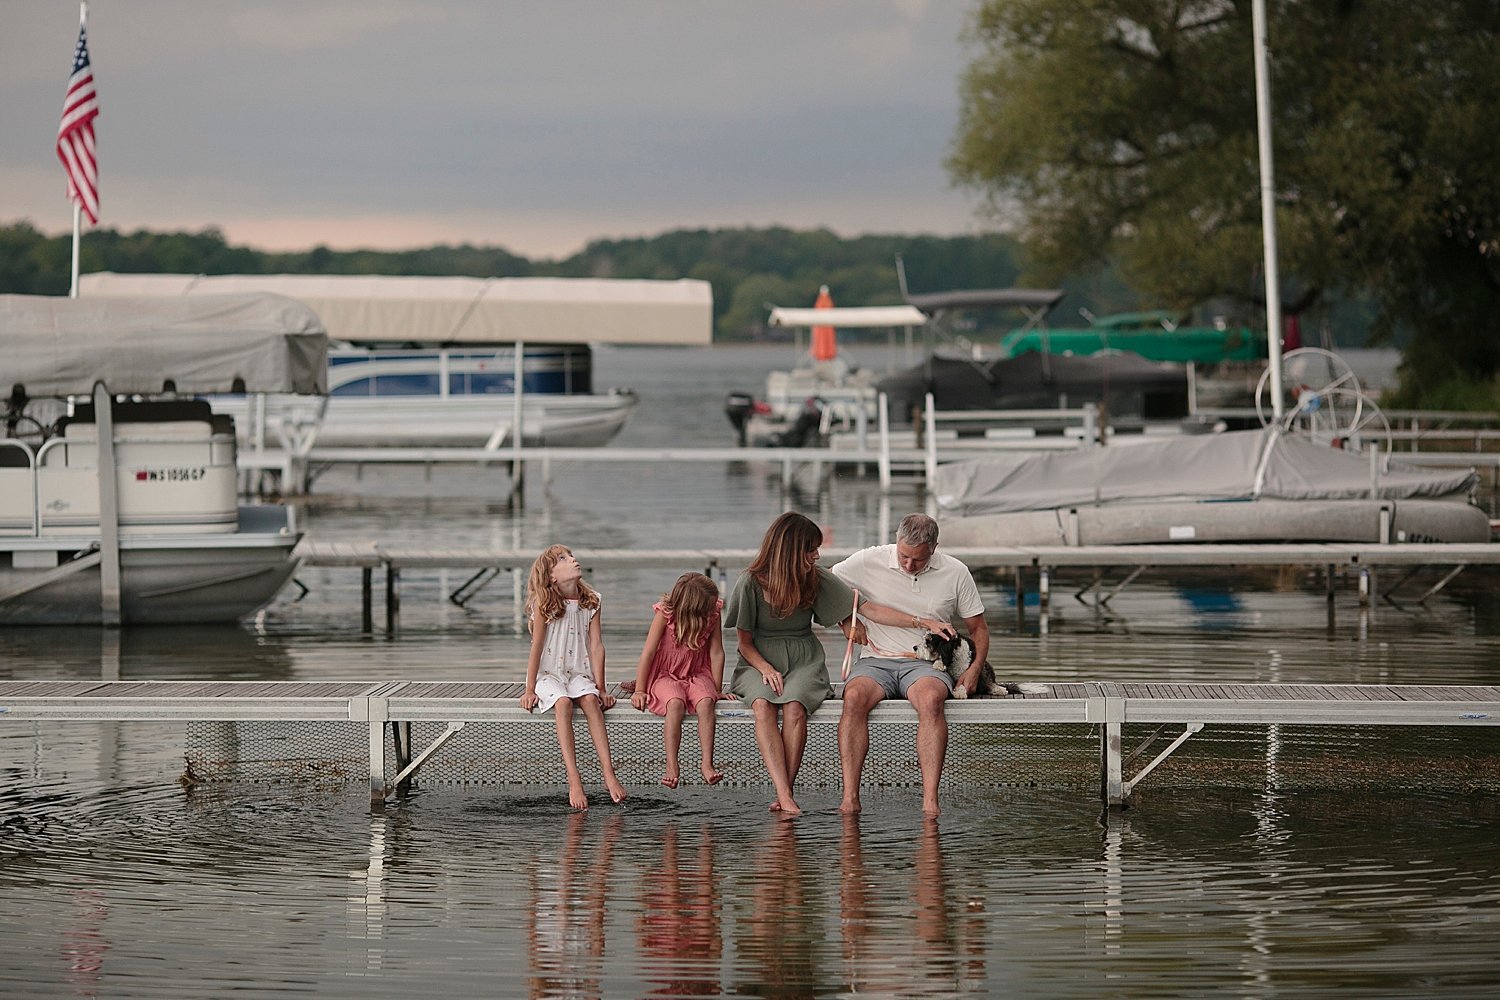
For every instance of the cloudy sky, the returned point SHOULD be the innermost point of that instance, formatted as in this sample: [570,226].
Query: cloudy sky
[534,125]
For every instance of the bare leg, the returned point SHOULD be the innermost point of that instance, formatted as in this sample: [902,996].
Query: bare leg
[927,696]
[794,737]
[860,695]
[706,721]
[768,738]
[564,712]
[672,731]
[594,712]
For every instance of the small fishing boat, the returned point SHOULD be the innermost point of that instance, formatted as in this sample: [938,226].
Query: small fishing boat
[117,487]
[825,388]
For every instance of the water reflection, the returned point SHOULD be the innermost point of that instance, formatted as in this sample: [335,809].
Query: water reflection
[681,938]
[908,937]
[565,931]
[778,953]
[163,652]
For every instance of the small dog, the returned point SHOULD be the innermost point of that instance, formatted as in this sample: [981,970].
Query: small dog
[955,656]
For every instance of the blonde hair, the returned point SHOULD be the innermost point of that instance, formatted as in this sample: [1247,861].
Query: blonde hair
[781,568]
[542,597]
[692,603]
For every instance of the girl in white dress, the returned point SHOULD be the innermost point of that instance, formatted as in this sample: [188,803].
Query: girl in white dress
[566,666]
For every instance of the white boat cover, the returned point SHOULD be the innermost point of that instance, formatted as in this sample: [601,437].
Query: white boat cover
[373,309]
[212,343]
[849,317]
[1191,467]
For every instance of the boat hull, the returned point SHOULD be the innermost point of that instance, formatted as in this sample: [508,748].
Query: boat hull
[579,421]
[1226,522]
[164,579]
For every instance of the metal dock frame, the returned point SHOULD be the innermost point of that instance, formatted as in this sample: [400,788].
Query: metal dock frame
[392,706]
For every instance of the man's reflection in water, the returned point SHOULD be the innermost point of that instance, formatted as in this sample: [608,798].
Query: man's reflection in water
[680,933]
[906,937]
[565,936]
[775,941]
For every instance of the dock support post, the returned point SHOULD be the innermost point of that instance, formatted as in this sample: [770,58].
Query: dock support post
[1021,596]
[1366,586]
[885,444]
[392,597]
[367,611]
[375,711]
[109,507]
[401,741]
[1109,713]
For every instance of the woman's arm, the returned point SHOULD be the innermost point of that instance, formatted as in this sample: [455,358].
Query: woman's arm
[534,660]
[752,656]
[643,665]
[596,656]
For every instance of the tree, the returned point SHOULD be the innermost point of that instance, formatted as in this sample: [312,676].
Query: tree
[1123,131]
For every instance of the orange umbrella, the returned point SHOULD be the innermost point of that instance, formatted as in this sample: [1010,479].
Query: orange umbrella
[824,345]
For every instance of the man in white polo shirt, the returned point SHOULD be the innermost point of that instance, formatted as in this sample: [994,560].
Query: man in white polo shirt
[913,577]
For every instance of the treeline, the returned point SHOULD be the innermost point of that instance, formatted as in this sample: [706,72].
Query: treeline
[749,269]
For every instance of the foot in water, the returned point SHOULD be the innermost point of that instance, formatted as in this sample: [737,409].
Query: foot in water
[616,790]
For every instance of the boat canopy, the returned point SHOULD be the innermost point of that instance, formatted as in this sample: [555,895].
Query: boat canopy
[988,298]
[373,309]
[256,342]
[849,317]
[1191,467]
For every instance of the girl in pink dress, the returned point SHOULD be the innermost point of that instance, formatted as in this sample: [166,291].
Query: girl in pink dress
[682,664]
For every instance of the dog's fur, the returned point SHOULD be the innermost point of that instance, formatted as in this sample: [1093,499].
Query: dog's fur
[957,654]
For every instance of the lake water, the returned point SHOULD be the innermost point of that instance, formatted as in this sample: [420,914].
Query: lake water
[1381,878]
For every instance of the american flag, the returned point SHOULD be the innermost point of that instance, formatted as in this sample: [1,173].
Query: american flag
[75,136]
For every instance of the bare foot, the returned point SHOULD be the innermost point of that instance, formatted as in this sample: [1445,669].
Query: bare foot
[850,807]
[670,779]
[711,774]
[616,790]
[576,796]
[788,807]
[930,809]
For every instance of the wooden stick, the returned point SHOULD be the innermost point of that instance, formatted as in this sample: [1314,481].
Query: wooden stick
[849,646]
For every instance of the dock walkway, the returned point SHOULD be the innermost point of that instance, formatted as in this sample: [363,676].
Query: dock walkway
[1038,562]
[1088,713]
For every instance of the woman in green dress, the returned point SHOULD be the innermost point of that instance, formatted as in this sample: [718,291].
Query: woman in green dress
[782,673]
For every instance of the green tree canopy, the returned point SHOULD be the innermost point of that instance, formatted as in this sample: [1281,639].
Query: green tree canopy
[1123,131]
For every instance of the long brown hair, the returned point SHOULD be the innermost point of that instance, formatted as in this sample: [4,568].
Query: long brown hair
[781,566]
[542,596]
[693,601]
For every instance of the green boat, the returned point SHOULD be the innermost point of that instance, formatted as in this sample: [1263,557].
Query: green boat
[1153,335]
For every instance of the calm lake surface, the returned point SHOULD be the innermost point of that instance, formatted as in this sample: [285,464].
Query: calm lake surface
[1380,879]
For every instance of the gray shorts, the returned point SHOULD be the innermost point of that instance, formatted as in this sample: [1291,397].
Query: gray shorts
[896,674]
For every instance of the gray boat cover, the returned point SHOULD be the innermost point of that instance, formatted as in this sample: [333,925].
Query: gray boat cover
[247,342]
[1191,467]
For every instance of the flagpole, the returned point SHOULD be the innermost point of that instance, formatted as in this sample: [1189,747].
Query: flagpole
[83,18]
[1267,201]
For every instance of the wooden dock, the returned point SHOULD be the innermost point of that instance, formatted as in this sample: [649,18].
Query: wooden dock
[1026,564]
[383,713]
